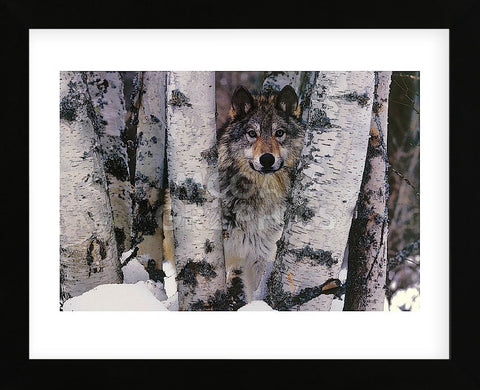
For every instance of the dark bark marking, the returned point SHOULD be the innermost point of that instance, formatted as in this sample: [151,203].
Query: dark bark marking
[178,99]
[318,255]
[115,165]
[154,273]
[188,274]
[361,99]
[154,119]
[189,191]
[231,300]
[145,220]
[68,108]
[96,252]
[120,238]
[217,302]
[209,246]
[320,120]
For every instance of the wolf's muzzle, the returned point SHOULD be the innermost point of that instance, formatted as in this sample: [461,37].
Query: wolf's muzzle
[266,170]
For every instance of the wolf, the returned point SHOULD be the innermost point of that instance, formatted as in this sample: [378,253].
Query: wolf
[258,147]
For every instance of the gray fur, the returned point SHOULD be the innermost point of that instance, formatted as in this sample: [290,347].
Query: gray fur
[253,203]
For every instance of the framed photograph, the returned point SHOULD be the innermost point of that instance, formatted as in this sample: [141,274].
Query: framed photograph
[345,95]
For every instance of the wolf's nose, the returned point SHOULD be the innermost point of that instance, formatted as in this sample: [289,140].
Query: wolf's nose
[267,160]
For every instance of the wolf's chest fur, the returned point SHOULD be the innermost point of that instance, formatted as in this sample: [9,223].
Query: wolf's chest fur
[257,148]
[254,224]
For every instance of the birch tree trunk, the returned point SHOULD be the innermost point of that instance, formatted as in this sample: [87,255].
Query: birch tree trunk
[106,92]
[324,192]
[367,259]
[302,82]
[88,251]
[149,170]
[133,84]
[194,190]
[277,80]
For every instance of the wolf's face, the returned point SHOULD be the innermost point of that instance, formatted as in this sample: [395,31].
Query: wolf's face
[265,153]
[263,137]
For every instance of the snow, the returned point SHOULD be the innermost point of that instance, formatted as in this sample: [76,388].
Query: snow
[406,300]
[157,289]
[134,272]
[255,306]
[137,292]
[136,296]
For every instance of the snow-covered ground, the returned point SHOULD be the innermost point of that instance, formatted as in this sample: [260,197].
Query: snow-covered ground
[138,292]
[137,296]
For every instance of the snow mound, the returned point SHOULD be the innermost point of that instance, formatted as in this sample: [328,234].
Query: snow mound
[255,306]
[112,297]
[134,272]
[157,289]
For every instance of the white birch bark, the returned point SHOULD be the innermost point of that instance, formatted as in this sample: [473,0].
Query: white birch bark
[149,170]
[324,192]
[88,251]
[194,190]
[106,92]
[367,260]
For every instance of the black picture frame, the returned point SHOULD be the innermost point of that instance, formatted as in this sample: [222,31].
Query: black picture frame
[460,370]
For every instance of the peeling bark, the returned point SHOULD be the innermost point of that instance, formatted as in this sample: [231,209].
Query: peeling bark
[88,251]
[325,189]
[367,260]
[194,190]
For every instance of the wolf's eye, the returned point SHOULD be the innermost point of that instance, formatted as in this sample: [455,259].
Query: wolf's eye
[279,133]
[252,134]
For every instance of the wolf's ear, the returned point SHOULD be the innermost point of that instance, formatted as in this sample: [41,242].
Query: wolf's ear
[287,100]
[242,101]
